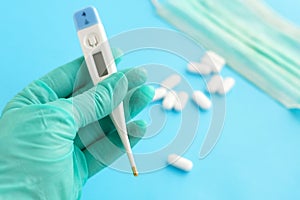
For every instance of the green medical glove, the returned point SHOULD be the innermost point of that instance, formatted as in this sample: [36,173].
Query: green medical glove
[45,129]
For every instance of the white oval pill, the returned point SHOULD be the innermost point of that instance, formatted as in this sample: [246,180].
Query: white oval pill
[199,68]
[159,93]
[169,100]
[214,60]
[171,81]
[192,67]
[214,83]
[228,84]
[180,103]
[201,100]
[180,162]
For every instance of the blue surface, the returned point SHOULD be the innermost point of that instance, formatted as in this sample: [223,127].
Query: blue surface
[86,18]
[257,156]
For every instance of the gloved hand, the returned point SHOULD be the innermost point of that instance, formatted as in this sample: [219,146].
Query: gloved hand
[45,129]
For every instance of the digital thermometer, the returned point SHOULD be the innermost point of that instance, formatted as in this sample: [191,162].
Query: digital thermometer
[100,63]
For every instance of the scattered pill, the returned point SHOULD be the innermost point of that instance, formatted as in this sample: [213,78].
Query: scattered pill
[214,84]
[214,60]
[191,67]
[180,103]
[228,84]
[171,81]
[180,162]
[169,100]
[159,93]
[199,68]
[201,100]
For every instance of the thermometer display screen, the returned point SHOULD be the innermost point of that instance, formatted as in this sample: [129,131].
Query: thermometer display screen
[100,64]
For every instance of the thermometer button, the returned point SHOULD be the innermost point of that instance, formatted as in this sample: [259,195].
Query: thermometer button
[92,41]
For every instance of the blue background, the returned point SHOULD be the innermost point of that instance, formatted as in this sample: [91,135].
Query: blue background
[257,156]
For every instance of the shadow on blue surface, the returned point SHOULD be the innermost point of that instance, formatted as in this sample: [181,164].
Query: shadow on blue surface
[296,113]
[177,171]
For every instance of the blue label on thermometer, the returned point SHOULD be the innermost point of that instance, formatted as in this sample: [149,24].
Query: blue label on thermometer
[86,18]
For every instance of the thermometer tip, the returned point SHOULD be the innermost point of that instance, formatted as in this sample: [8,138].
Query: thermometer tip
[135,172]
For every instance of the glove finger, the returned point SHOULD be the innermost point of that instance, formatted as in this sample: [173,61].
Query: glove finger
[135,77]
[95,103]
[62,80]
[56,84]
[106,150]
[135,101]
[59,83]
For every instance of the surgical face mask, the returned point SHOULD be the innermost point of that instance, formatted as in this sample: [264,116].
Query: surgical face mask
[255,41]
